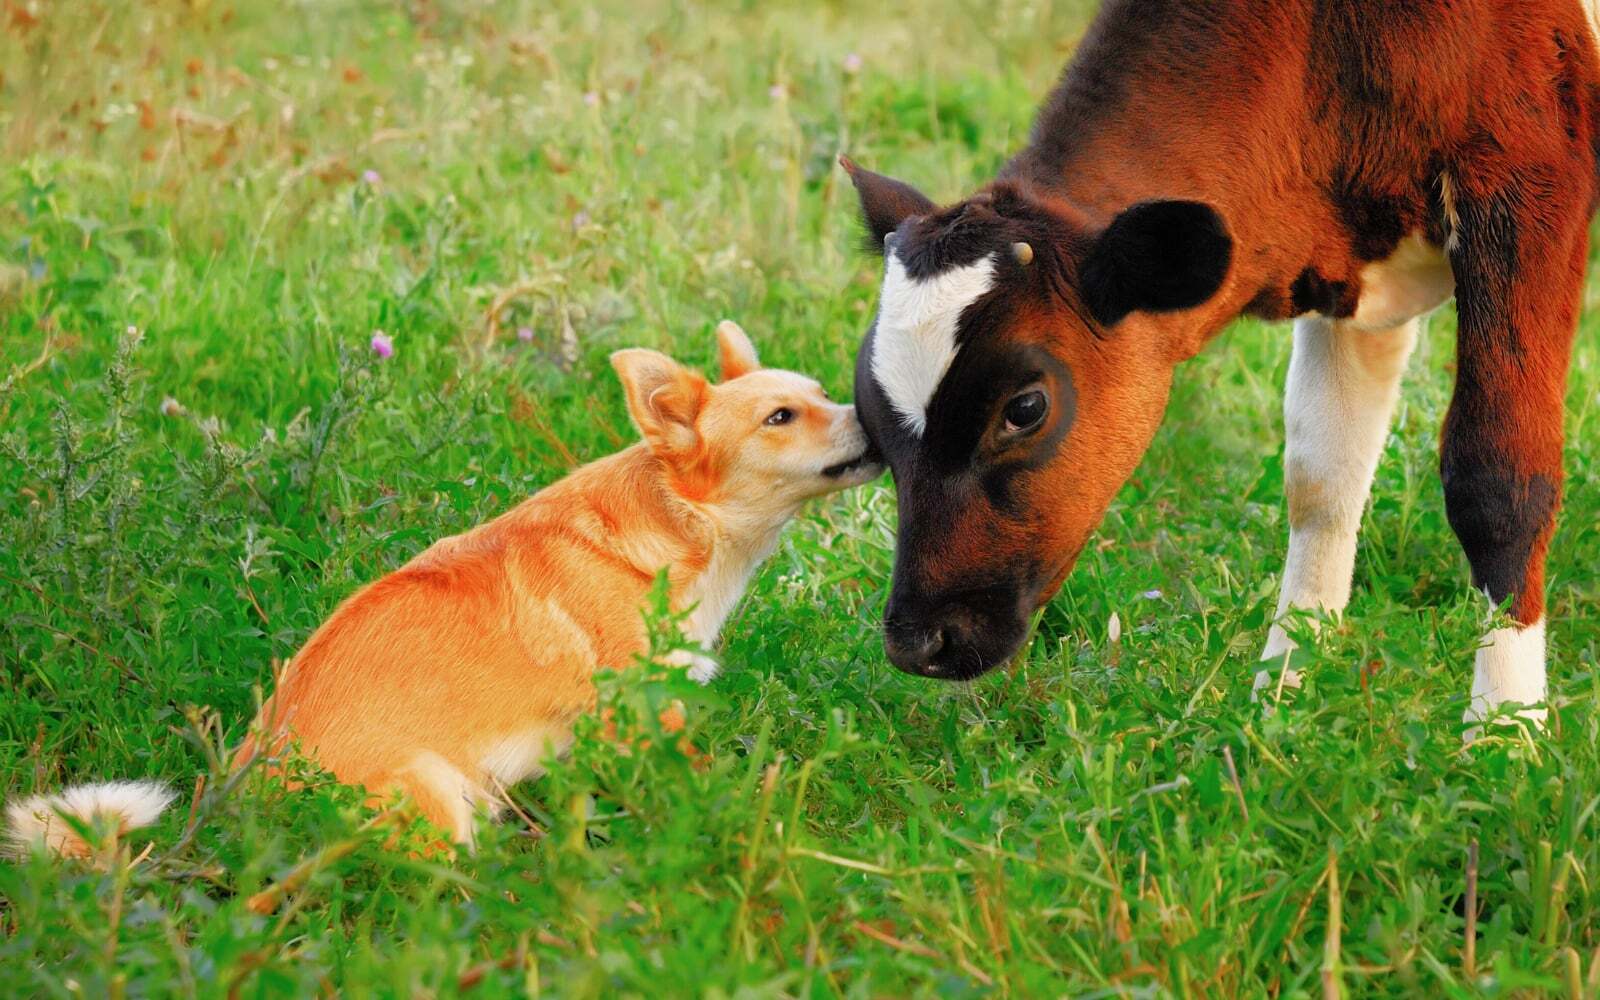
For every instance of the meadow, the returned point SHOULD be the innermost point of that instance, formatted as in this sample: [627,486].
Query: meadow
[209,210]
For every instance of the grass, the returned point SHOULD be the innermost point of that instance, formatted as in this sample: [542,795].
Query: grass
[1105,819]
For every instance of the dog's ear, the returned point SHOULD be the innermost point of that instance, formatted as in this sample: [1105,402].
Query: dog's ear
[737,355]
[885,202]
[664,399]
[1157,256]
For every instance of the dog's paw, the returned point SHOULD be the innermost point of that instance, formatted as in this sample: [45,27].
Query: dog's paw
[1266,682]
[702,668]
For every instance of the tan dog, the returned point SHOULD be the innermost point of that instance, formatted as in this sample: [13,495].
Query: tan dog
[464,670]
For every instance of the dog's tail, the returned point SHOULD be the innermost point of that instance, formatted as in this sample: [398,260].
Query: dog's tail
[55,821]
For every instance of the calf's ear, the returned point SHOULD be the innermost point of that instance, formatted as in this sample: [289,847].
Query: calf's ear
[1157,256]
[885,202]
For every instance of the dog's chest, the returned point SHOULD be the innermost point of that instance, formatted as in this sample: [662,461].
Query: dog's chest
[714,594]
[716,591]
[524,754]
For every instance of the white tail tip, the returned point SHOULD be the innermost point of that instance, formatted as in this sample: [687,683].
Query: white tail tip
[124,805]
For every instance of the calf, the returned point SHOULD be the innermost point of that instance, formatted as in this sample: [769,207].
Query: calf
[1350,165]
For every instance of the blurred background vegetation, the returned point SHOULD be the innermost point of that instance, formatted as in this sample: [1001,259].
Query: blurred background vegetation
[207,213]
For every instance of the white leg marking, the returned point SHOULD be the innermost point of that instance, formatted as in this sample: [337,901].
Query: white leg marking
[915,340]
[702,669]
[1509,668]
[1414,279]
[460,794]
[524,755]
[1343,384]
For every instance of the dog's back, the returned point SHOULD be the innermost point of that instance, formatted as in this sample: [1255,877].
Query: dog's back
[463,671]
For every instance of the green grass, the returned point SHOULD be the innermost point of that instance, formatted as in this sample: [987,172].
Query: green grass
[1071,826]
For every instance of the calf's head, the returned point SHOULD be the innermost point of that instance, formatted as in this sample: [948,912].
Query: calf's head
[1016,371]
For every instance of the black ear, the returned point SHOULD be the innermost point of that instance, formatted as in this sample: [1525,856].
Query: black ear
[885,202]
[1155,257]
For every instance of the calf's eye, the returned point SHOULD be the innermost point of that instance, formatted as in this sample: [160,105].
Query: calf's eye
[1026,411]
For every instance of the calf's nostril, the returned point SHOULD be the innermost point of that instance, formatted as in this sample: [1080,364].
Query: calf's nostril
[914,652]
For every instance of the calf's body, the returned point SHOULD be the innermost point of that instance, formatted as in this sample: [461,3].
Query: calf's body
[1347,165]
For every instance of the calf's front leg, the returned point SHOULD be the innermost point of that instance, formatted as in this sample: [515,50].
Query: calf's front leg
[1337,406]
[1519,265]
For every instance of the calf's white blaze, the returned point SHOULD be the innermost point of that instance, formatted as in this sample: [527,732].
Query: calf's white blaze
[916,338]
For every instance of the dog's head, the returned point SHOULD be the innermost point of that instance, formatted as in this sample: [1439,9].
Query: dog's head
[761,440]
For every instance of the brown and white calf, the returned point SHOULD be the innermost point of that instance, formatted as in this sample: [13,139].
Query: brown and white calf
[1347,164]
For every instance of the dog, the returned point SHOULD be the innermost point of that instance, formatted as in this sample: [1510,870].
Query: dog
[463,671]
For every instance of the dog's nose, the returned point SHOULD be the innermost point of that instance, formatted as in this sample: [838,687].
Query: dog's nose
[914,652]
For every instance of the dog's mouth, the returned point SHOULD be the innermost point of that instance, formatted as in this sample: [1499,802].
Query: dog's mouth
[842,469]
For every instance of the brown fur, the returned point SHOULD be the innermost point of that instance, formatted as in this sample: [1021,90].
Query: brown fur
[1329,132]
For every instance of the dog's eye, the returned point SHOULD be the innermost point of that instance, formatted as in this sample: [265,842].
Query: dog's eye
[781,415]
[1026,411]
